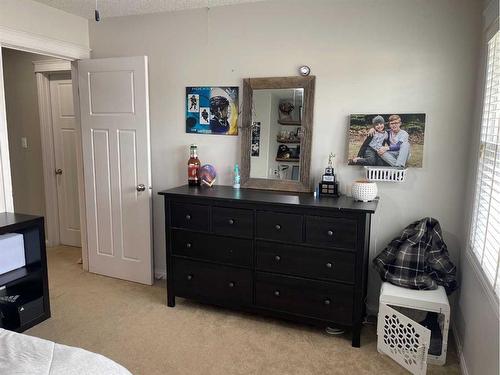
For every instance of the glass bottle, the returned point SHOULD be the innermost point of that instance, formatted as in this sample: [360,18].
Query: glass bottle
[236,183]
[193,166]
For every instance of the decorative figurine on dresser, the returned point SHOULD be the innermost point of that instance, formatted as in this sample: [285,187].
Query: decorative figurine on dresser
[278,250]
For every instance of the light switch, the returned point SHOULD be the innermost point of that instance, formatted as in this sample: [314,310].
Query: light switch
[24,142]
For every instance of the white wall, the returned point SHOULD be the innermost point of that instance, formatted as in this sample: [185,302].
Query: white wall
[477,313]
[23,121]
[368,56]
[31,23]
[40,19]
[477,323]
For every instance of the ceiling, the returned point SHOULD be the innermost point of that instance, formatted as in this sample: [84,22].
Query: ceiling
[115,8]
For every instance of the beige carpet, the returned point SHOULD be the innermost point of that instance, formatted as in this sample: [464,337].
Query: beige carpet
[131,324]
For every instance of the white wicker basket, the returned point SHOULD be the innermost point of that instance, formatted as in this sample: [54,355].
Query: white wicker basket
[387,174]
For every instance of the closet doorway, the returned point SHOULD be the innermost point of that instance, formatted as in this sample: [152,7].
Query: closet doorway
[60,146]
[43,142]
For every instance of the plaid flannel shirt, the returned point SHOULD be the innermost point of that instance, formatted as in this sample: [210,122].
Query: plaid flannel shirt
[418,258]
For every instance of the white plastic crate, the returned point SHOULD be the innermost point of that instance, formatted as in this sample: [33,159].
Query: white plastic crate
[405,340]
[387,174]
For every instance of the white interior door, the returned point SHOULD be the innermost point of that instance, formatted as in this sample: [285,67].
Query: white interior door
[65,132]
[114,106]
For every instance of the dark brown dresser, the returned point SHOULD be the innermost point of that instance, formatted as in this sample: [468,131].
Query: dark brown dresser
[288,255]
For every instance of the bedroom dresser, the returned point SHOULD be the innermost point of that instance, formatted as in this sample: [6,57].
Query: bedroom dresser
[286,255]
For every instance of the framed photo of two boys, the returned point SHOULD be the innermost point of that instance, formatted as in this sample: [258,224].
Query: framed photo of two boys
[390,140]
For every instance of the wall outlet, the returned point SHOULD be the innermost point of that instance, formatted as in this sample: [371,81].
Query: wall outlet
[24,142]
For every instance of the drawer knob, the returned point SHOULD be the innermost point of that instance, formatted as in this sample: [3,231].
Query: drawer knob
[190,277]
[330,233]
[277,258]
[188,245]
[230,221]
[277,293]
[327,302]
[188,217]
[231,284]
[277,226]
[329,265]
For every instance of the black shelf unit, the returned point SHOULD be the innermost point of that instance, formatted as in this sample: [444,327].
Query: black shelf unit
[24,292]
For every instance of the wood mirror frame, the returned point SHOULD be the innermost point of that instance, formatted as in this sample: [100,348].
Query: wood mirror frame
[250,84]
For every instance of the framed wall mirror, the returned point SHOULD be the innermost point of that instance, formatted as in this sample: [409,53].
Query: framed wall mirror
[277,124]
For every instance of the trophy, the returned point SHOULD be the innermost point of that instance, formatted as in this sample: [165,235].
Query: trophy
[329,185]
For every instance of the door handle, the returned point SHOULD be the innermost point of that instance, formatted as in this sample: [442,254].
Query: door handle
[58,171]
[141,187]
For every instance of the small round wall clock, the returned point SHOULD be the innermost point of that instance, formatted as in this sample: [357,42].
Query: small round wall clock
[304,70]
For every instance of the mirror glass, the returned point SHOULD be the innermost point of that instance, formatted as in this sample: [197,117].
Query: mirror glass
[276,132]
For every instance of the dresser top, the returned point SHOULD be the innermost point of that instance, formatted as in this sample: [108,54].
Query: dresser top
[10,218]
[221,192]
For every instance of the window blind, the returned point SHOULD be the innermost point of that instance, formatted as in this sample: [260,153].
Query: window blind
[485,226]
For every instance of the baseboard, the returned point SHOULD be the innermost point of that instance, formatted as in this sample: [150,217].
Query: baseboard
[460,352]
[160,275]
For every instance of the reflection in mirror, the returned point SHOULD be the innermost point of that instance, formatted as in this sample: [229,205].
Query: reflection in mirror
[276,133]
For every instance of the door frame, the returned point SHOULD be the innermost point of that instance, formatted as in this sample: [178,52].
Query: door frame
[34,43]
[43,72]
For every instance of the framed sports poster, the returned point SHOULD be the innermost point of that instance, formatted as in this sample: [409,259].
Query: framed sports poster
[212,110]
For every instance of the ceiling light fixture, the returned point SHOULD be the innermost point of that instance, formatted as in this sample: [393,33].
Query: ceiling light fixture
[96,13]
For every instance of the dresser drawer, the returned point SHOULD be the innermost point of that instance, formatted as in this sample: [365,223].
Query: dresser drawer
[212,283]
[305,261]
[279,226]
[334,232]
[232,221]
[190,216]
[215,248]
[328,301]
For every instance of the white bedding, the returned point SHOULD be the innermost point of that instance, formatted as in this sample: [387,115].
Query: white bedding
[21,354]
